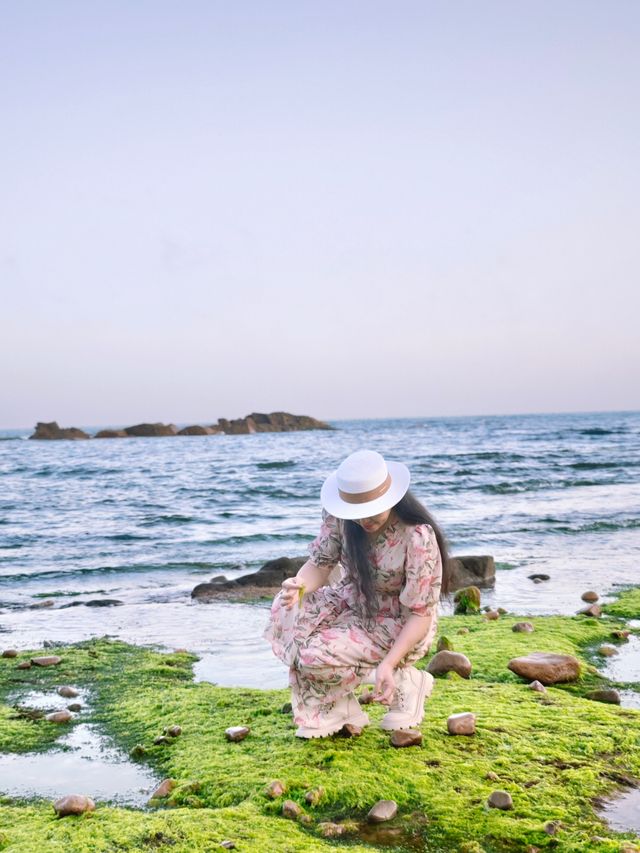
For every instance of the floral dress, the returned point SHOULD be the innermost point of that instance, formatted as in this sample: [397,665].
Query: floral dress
[330,647]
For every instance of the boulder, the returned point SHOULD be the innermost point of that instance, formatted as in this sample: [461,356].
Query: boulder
[73,804]
[522,627]
[546,667]
[52,432]
[467,600]
[111,433]
[406,737]
[151,430]
[269,576]
[443,662]
[479,571]
[606,694]
[500,800]
[462,724]
[200,430]
[273,422]
[382,811]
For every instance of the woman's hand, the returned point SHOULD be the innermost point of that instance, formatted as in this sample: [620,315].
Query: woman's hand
[385,683]
[291,591]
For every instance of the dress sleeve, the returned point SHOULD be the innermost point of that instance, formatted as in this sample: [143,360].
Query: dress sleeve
[423,571]
[326,548]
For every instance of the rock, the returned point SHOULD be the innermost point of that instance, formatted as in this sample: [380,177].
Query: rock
[349,730]
[287,708]
[291,809]
[40,605]
[314,796]
[547,667]
[47,660]
[111,433]
[161,740]
[539,576]
[492,615]
[174,731]
[200,430]
[590,596]
[461,631]
[26,664]
[462,724]
[75,707]
[491,776]
[536,685]
[67,691]
[502,611]
[443,662]
[406,737]
[552,827]
[59,717]
[10,653]
[366,698]
[607,651]
[73,804]
[269,576]
[621,634]
[330,830]
[52,432]
[273,422]
[471,571]
[163,789]
[444,645]
[103,602]
[608,695]
[522,627]
[275,789]
[467,600]
[237,733]
[151,430]
[500,800]
[593,610]
[138,751]
[382,811]
[228,845]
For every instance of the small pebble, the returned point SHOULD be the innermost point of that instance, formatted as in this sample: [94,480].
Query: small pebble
[522,627]
[500,800]
[349,730]
[593,610]
[73,804]
[552,827]
[174,731]
[607,651]
[538,686]
[491,776]
[75,707]
[462,724]
[228,845]
[330,830]
[608,695]
[287,708]
[275,789]
[406,737]
[590,596]
[492,615]
[462,630]
[291,809]
[382,811]
[59,717]
[502,611]
[163,789]
[138,751]
[366,698]
[237,733]
[26,664]
[621,635]
[314,796]
[67,691]
[10,653]
[161,740]
[305,819]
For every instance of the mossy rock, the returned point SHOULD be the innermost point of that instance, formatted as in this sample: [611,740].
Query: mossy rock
[467,600]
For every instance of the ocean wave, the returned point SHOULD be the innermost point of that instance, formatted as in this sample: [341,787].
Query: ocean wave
[169,519]
[139,568]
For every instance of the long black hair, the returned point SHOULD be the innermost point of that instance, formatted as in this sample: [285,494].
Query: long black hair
[357,547]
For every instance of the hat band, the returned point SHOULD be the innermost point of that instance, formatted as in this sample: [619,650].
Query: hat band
[365,497]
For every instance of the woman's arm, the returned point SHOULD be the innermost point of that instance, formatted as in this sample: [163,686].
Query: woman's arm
[415,629]
[310,576]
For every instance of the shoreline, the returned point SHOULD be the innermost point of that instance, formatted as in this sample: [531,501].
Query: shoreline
[583,751]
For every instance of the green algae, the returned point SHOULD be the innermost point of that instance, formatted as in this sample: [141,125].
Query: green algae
[626,605]
[556,753]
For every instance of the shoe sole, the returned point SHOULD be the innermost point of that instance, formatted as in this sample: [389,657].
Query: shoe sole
[361,720]
[426,687]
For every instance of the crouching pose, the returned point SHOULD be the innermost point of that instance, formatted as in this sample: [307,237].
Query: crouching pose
[380,617]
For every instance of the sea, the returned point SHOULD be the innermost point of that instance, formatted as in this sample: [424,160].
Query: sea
[141,521]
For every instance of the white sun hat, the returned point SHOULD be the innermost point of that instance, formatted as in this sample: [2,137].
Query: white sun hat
[364,485]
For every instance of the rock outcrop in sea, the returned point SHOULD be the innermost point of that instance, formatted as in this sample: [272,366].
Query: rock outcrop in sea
[255,422]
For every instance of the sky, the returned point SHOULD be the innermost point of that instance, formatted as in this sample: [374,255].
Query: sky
[343,209]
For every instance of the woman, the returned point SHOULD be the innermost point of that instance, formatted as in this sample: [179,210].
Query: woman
[380,617]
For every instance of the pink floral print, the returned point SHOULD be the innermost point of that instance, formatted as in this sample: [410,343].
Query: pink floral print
[330,648]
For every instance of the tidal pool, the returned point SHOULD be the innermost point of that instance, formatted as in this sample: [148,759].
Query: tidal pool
[625,666]
[623,812]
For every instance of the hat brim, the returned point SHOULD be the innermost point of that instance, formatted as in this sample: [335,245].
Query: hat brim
[336,506]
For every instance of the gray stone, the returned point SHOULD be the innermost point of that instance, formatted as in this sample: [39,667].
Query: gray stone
[382,811]
[67,691]
[500,800]
[477,571]
[538,687]
[522,628]
[52,432]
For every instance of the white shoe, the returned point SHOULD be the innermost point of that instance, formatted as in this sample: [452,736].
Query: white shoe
[346,711]
[413,686]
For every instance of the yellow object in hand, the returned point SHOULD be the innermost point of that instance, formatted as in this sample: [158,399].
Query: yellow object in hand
[300,594]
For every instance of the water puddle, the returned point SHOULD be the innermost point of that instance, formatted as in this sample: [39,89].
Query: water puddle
[630,699]
[623,813]
[625,666]
[47,702]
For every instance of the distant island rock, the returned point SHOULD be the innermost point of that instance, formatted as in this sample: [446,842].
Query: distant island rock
[255,422]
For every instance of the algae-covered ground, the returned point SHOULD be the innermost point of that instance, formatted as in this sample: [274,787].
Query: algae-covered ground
[558,754]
